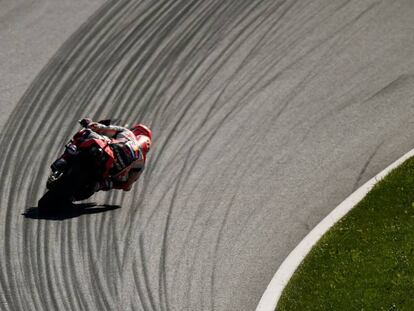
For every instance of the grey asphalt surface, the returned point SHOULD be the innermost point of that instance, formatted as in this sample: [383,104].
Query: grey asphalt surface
[30,33]
[266,115]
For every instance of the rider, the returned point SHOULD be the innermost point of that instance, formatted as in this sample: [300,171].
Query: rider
[129,147]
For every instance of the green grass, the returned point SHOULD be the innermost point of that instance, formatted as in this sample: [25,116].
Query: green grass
[366,261]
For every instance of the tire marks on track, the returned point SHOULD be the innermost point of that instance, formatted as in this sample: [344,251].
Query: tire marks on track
[216,81]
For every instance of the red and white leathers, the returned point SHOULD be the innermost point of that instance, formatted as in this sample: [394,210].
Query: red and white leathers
[128,152]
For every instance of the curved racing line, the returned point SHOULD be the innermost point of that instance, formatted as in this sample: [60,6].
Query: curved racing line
[261,111]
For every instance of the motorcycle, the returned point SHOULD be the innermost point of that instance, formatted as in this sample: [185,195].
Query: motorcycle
[90,163]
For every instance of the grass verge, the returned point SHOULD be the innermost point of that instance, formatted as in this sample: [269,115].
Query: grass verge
[366,260]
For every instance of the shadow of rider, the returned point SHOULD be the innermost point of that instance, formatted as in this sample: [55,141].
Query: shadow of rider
[68,211]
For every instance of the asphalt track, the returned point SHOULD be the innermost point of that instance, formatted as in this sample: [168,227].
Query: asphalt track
[266,115]
[30,33]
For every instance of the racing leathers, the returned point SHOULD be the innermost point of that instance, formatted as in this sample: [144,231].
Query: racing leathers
[129,153]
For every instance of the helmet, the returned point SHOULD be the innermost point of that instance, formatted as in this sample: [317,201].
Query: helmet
[141,129]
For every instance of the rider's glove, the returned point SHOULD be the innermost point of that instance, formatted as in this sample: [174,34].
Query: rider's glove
[85,122]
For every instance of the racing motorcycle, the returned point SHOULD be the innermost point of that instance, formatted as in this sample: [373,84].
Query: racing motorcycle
[90,163]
